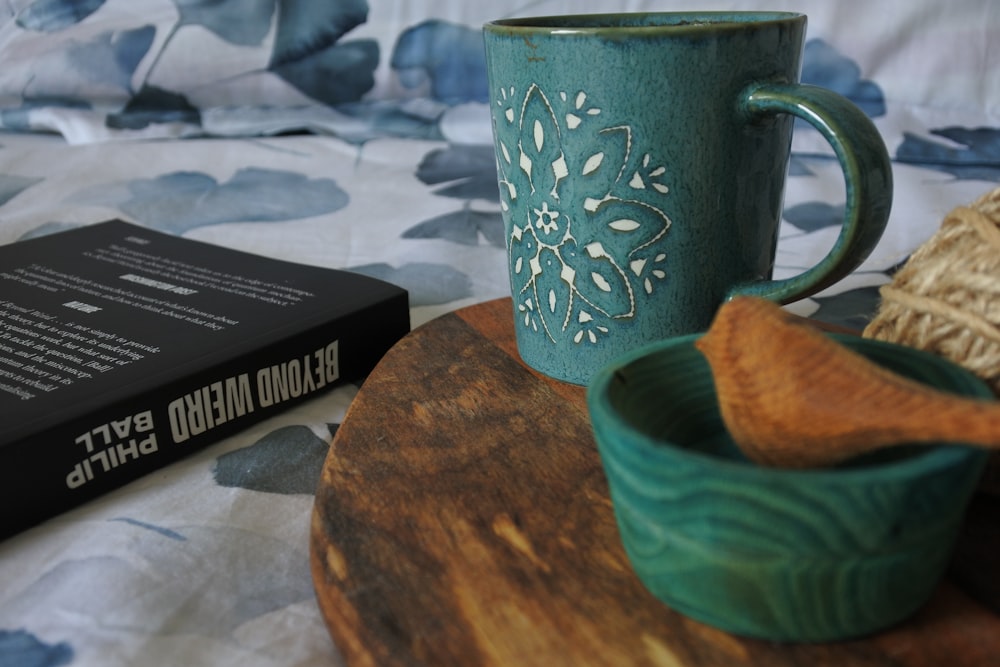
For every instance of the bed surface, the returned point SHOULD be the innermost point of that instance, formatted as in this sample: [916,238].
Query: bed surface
[370,152]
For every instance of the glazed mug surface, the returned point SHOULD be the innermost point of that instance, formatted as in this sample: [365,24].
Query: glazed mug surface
[641,161]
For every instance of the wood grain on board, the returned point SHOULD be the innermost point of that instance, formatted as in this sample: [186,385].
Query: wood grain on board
[462,518]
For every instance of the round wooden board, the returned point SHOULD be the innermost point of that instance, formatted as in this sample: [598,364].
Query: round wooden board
[462,518]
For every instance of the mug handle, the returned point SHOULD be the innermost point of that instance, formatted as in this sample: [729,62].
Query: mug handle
[867,175]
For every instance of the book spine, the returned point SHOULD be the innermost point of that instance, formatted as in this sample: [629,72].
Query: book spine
[73,462]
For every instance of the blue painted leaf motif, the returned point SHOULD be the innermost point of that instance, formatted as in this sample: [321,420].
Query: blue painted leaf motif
[853,308]
[598,280]
[334,75]
[308,54]
[428,284]
[464,227]
[20,647]
[448,56]
[972,153]
[112,57]
[153,105]
[797,166]
[163,531]
[240,22]
[11,186]
[541,158]
[469,172]
[581,224]
[55,15]
[603,166]
[180,201]
[305,25]
[287,460]
[378,119]
[19,119]
[630,229]
[823,65]
[552,289]
[543,165]
[813,216]
[624,222]
[45,229]
[523,248]
[262,575]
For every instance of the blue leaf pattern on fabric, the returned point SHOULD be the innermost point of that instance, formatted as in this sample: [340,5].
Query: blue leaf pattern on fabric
[288,461]
[305,26]
[970,154]
[207,562]
[55,15]
[11,186]
[180,201]
[47,228]
[465,227]
[241,22]
[428,284]
[333,74]
[447,56]
[378,119]
[798,167]
[111,57]
[308,54]
[853,309]
[19,120]
[19,648]
[469,171]
[166,532]
[813,216]
[823,65]
[255,576]
[153,105]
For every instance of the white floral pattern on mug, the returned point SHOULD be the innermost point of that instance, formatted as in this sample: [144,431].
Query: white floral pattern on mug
[576,263]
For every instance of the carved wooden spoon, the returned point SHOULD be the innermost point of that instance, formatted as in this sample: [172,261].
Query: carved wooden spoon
[792,397]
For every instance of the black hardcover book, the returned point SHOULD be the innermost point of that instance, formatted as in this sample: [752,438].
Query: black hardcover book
[123,349]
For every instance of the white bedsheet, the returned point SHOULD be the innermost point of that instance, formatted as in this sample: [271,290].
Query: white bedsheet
[197,564]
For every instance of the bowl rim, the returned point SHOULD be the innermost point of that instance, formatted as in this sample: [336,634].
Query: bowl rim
[934,457]
[641,23]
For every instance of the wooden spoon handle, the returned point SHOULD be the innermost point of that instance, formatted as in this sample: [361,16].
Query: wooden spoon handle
[929,417]
[793,397]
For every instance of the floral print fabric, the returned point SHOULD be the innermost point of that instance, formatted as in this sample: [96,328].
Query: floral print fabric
[356,134]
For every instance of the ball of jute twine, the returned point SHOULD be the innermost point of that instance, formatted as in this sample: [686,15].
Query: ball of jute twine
[946,297]
[946,300]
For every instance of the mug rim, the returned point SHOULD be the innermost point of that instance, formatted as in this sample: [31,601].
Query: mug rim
[638,22]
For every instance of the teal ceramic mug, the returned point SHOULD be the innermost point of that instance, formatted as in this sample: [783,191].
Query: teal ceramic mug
[641,160]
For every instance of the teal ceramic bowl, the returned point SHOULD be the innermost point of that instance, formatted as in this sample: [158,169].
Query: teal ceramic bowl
[786,555]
